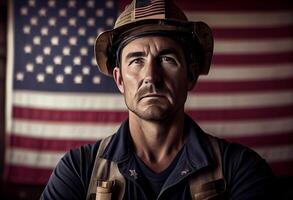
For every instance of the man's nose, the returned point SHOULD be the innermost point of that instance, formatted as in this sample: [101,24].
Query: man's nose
[153,72]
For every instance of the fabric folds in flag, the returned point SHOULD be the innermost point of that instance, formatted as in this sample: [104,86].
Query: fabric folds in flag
[57,99]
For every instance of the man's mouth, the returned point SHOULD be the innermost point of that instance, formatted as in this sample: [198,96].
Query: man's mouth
[153,96]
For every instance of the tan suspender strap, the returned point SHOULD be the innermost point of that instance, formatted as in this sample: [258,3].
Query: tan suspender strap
[210,182]
[107,172]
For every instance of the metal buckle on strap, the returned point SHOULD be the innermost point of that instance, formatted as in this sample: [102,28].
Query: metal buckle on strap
[104,190]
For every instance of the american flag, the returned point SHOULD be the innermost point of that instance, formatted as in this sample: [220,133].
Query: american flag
[57,99]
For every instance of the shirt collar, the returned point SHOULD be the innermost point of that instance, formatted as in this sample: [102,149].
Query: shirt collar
[198,152]
[119,148]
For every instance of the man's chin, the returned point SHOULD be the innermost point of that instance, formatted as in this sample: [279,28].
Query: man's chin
[153,113]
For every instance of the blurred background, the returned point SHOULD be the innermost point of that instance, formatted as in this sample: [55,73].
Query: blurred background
[53,98]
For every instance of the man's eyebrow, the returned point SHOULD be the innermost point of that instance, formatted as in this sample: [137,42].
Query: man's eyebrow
[162,52]
[168,51]
[135,54]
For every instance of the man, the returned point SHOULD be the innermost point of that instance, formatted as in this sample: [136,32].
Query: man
[155,56]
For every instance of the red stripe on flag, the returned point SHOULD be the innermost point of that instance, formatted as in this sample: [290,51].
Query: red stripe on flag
[233,6]
[32,143]
[25,175]
[111,116]
[282,168]
[227,5]
[264,139]
[243,86]
[241,114]
[252,32]
[246,59]
[46,144]
[69,115]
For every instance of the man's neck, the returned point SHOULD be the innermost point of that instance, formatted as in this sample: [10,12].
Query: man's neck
[157,142]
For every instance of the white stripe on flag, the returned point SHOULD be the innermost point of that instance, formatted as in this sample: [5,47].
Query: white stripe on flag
[116,102]
[48,159]
[239,100]
[32,158]
[64,130]
[276,153]
[93,131]
[70,101]
[253,46]
[247,73]
[242,19]
[247,128]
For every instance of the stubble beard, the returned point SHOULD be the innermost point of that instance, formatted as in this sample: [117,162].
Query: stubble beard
[154,109]
[156,112]
[152,113]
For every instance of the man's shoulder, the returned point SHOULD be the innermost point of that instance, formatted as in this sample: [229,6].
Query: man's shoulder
[236,156]
[234,150]
[72,173]
[247,174]
[231,152]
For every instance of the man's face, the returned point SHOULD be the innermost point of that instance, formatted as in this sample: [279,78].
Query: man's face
[153,77]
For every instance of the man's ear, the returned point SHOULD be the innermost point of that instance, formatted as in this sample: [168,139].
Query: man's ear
[191,83]
[192,78]
[118,79]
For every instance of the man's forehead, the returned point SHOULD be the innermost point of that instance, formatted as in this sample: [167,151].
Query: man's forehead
[153,43]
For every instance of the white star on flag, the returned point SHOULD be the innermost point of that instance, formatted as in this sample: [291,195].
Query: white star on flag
[34,21]
[67,69]
[86,70]
[52,3]
[23,11]
[40,77]
[64,31]
[83,51]
[47,50]
[57,60]
[59,79]
[81,31]
[77,60]
[62,12]
[42,12]
[44,31]
[99,12]
[49,69]
[19,76]
[54,40]
[29,67]
[39,59]
[66,51]
[72,21]
[52,21]
[73,40]
[78,79]
[81,12]
[27,29]
[96,79]
[27,48]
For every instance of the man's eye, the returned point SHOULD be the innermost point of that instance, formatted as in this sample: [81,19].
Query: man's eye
[137,61]
[167,59]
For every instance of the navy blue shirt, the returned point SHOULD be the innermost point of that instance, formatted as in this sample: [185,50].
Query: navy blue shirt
[153,182]
[247,175]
